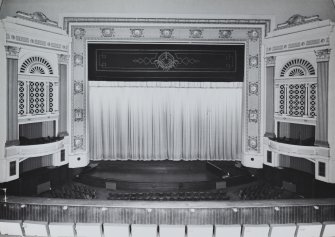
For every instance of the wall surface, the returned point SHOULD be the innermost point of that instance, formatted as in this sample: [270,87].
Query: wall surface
[280,10]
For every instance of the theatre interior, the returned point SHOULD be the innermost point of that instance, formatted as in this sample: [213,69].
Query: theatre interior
[167,118]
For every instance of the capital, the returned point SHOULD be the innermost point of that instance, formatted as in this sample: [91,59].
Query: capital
[322,55]
[12,52]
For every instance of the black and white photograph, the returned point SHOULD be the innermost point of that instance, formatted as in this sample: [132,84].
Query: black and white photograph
[167,118]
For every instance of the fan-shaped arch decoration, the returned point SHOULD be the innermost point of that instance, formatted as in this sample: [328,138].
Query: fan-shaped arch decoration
[297,67]
[36,65]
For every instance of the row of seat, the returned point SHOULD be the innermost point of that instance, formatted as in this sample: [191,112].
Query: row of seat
[44,229]
[170,196]
[73,192]
[263,191]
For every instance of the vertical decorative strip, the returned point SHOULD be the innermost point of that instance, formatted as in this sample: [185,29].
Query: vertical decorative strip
[270,75]
[12,54]
[321,130]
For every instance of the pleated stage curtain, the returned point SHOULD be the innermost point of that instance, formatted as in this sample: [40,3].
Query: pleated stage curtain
[159,121]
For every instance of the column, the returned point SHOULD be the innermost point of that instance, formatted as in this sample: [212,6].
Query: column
[62,121]
[270,77]
[12,54]
[321,129]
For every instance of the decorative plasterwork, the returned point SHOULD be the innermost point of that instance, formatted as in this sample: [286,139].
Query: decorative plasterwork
[12,52]
[225,34]
[322,55]
[78,142]
[166,33]
[252,143]
[298,45]
[79,33]
[196,33]
[107,32]
[79,115]
[165,61]
[253,115]
[270,61]
[35,42]
[78,60]
[78,87]
[296,20]
[253,88]
[63,59]
[253,61]
[136,33]
[37,17]
[235,32]
[253,35]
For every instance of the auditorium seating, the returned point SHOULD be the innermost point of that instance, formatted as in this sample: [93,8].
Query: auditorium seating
[171,230]
[219,194]
[255,230]
[138,230]
[73,192]
[61,229]
[263,191]
[88,229]
[308,229]
[199,230]
[11,228]
[329,229]
[227,230]
[119,230]
[35,228]
[280,230]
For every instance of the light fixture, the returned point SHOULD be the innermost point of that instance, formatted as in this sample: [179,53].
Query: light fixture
[23,205]
[235,209]
[149,210]
[316,207]
[277,208]
[65,208]
[104,209]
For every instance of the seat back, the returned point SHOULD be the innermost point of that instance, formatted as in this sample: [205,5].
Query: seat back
[328,229]
[11,227]
[119,230]
[228,231]
[199,231]
[61,229]
[139,230]
[35,228]
[309,229]
[255,231]
[88,229]
[280,230]
[172,231]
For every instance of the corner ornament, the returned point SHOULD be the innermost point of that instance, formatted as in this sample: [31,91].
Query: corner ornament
[297,20]
[36,16]
[79,33]
[253,35]
[322,55]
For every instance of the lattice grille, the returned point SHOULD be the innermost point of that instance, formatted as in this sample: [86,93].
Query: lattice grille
[22,97]
[312,100]
[297,95]
[51,97]
[36,97]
